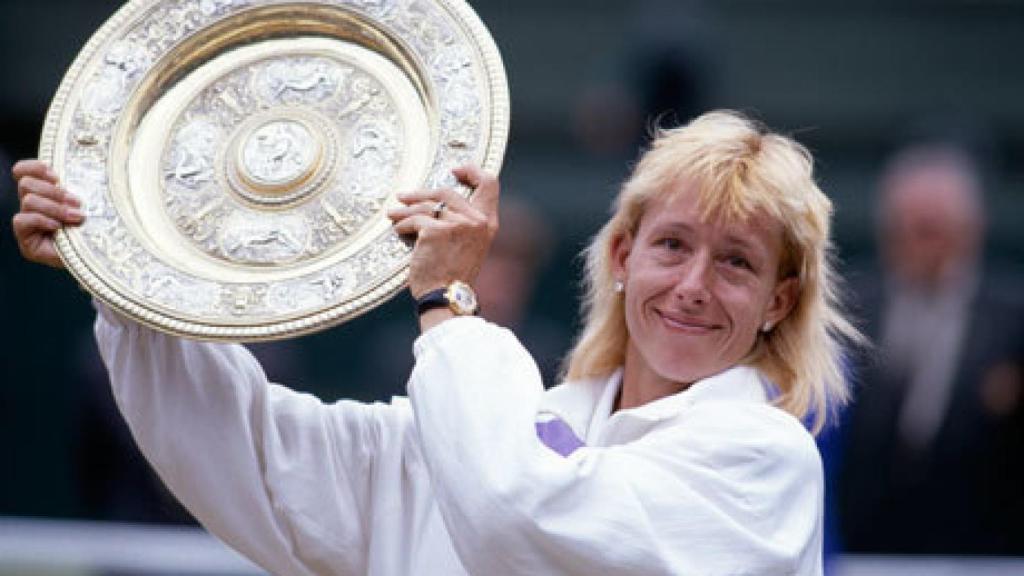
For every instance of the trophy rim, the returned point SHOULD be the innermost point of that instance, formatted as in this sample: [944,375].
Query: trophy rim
[95,281]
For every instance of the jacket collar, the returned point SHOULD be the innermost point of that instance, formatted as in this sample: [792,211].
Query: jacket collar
[586,405]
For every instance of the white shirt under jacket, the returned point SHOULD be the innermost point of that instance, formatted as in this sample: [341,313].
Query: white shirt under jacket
[453,480]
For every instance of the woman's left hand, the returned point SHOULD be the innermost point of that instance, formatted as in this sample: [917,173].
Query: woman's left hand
[452,239]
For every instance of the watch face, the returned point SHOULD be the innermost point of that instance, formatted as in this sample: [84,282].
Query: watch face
[461,298]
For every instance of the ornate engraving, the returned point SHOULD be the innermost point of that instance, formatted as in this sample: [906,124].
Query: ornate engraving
[263,240]
[278,156]
[191,157]
[298,80]
[239,299]
[279,152]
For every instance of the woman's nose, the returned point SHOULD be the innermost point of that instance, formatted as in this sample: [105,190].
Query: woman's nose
[692,285]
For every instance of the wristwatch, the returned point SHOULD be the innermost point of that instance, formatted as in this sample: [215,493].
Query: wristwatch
[457,296]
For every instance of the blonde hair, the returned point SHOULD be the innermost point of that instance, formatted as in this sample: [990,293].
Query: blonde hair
[737,169]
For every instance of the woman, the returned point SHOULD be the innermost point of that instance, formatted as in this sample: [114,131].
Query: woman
[675,447]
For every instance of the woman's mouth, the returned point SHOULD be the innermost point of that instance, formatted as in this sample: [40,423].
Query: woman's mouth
[686,324]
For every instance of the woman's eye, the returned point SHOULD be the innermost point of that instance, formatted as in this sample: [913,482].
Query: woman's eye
[739,262]
[670,243]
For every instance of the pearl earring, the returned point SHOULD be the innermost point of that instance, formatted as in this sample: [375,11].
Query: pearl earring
[619,286]
[767,327]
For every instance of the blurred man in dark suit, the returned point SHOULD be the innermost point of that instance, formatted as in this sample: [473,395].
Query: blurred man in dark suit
[934,448]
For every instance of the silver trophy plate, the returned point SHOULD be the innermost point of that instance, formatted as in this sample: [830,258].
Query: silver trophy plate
[236,158]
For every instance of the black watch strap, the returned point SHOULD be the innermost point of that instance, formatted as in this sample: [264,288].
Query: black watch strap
[431,300]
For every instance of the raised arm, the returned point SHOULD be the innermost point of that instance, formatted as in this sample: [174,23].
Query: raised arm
[276,474]
[736,489]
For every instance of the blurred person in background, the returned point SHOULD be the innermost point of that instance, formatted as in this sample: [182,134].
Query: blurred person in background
[933,456]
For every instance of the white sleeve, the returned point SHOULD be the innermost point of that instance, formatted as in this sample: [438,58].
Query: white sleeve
[277,475]
[736,489]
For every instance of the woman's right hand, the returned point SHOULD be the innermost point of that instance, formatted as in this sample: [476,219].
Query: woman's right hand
[45,208]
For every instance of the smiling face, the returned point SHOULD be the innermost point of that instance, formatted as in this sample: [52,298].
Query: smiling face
[697,292]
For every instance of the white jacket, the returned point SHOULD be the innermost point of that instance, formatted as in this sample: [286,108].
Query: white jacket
[454,480]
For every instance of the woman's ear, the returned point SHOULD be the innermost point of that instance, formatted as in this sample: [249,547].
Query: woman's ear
[784,298]
[621,246]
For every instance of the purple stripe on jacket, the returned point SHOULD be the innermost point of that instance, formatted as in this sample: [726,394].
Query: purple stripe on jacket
[558,436]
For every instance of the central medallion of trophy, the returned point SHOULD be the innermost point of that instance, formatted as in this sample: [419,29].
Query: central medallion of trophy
[279,159]
[312,144]
[278,154]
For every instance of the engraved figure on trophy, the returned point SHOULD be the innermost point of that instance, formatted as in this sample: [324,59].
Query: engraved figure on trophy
[279,153]
[89,177]
[298,80]
[191,156]
[188,167]
[375,150]
[277,240]
[109,89]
